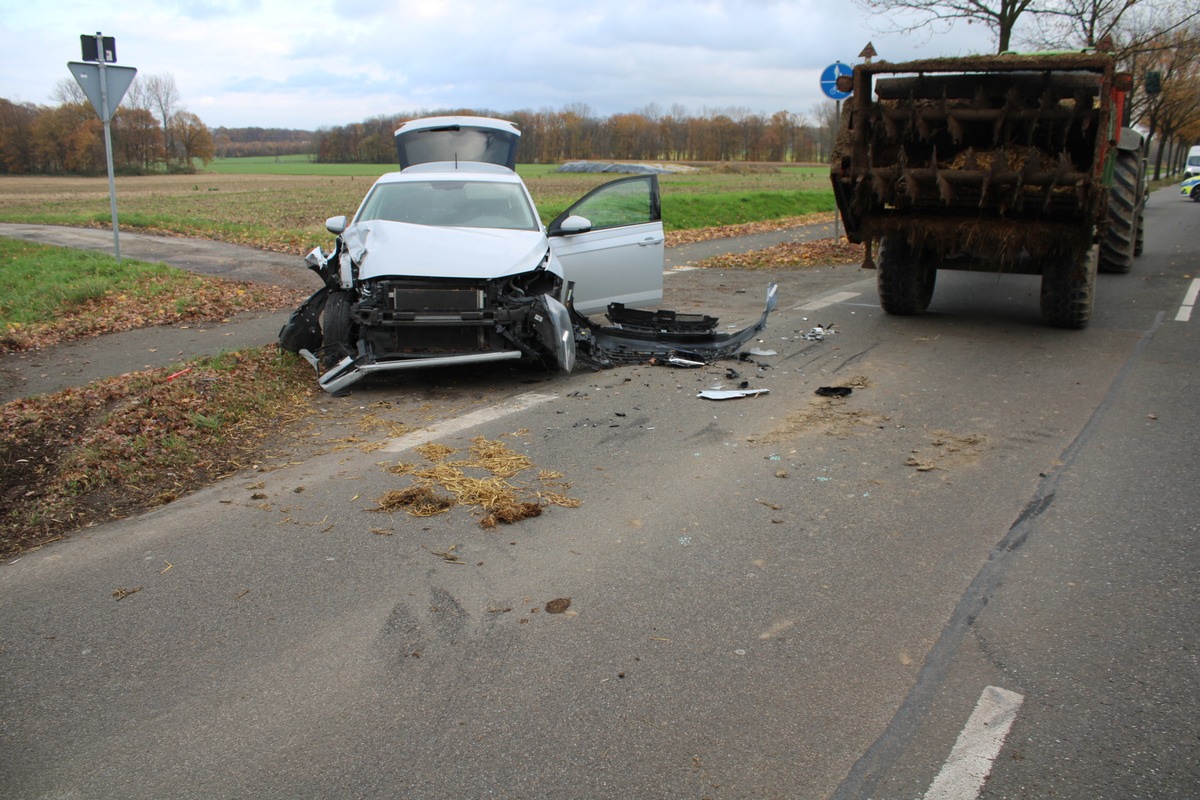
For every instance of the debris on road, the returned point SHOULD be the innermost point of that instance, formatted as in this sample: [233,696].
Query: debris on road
[729,394]
[558,605]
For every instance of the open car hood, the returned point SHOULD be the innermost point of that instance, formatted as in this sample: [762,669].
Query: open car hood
[381,248]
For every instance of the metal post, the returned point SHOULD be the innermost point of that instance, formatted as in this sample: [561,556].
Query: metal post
[836,213]
[104,115]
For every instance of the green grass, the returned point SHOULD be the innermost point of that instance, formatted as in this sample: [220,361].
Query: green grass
[687,211]
[40,282]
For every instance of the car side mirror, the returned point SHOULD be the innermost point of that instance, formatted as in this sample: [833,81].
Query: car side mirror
[336,225]
[575,224]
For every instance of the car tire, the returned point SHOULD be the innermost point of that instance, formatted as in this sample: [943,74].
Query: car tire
[1196,193]
[302,331]
[340,332]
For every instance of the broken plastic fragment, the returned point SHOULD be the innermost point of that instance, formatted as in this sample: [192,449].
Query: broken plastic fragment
[758,351]
[676,361]
[729,394]
[834,391]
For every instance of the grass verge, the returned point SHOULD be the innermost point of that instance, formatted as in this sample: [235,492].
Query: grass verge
[55,294]
[83,456]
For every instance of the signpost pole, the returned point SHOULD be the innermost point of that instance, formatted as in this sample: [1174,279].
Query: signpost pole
[104,83]
[829,86]
[106,116]
[837,236]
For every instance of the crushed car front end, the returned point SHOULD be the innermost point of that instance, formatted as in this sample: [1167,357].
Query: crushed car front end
[385,320]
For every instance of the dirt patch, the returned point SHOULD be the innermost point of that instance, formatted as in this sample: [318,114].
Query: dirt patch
[832,416]
[947,451]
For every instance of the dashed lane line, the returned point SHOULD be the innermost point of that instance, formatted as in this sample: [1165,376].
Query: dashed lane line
[978,744]
[825,302]
[452,426]
[1189,302]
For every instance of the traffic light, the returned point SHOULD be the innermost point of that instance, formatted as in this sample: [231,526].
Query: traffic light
[1153,82]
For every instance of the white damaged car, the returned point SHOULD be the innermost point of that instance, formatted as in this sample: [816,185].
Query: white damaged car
[448,262]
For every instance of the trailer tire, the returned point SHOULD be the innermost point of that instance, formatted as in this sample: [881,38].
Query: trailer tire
[339,329]
[1068,290]
[1119,245]
[906,277]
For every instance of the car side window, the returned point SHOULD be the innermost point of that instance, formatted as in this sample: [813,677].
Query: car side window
[628,201]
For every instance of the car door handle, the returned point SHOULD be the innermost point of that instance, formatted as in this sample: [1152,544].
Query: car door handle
[649,240]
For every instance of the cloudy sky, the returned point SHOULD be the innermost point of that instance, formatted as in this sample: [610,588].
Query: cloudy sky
[319,63]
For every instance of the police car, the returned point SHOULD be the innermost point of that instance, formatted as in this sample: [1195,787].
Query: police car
[1191,188]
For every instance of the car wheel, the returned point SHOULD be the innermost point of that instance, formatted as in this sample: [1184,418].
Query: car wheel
[340,332]
[1196,193]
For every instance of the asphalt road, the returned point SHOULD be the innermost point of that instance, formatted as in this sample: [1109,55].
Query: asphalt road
[779,597]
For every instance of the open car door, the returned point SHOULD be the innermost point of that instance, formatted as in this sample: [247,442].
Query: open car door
[610,244]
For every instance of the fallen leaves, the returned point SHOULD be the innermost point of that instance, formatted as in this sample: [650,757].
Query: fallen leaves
[483,480]
[691,236]
[124,444]
[818,253]
[154,300]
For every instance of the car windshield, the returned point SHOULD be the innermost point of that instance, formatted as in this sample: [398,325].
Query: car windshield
[465,204]
[1193,161]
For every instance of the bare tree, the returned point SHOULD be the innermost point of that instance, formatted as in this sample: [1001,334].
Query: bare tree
[68,90]
[162,97]
[825,114]
[929,15]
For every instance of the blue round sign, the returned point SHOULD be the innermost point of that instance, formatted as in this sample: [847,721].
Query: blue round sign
[829,80]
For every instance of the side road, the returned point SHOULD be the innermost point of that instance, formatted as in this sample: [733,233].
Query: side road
[77,363]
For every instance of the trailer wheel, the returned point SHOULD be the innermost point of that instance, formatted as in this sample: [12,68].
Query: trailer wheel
[1119,244]
[1068,289]
[340,330]
[906,277]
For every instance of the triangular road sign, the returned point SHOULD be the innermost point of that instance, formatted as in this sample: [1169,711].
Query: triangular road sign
[116,79]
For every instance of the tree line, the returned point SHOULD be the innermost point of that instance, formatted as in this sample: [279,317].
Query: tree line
[574,132]
[152,131]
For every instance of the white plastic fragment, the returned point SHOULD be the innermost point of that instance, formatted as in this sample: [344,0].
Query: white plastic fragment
[729,394]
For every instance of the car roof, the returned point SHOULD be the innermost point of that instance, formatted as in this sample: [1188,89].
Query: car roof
[450,171]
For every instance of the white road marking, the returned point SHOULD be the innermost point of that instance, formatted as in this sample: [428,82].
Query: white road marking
[825,302]
[1189,301]
[452,426]
[978,744]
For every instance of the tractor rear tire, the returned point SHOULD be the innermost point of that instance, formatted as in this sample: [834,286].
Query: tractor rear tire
[1068,290]
[906,277]
[1119,245]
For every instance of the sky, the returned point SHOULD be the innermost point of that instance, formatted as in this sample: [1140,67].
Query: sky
[310,64]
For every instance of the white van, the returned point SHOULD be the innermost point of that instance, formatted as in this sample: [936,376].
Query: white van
[1192,168]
